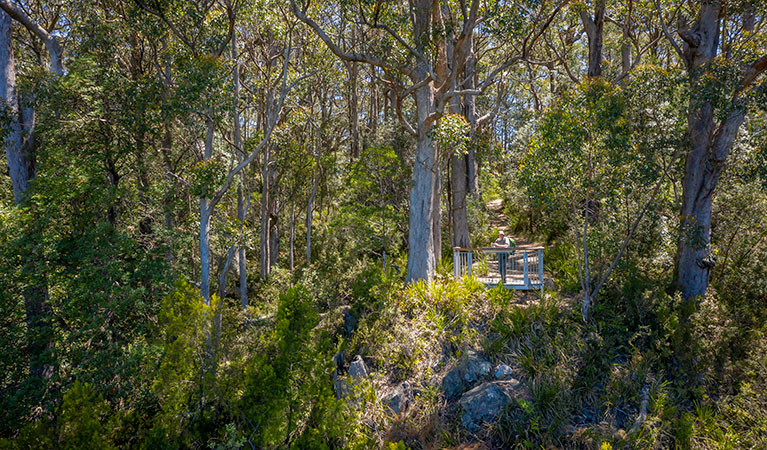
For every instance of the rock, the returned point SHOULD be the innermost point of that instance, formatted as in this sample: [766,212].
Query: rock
[502,371]
[452,384]
[357,369]
[475,367]
[338,361]
[486,402]
[350,322]
[471,368]
[399,400]
[340,386]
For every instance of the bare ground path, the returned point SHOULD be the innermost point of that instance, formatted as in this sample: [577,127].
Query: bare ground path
[499,221]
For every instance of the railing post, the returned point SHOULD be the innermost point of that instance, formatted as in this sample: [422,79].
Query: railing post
[456,264]
[524,269]
[469,261]
[540,266]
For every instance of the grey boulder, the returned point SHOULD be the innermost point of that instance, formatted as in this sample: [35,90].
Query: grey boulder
[357,368]
[472,367]
[399,400]
[486,402]
[502,371]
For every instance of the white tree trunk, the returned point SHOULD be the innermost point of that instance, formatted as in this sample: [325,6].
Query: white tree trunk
[242,203]
[291,254]
[421,260]
[20,164]
[309,214]
[265,215]
[205,213]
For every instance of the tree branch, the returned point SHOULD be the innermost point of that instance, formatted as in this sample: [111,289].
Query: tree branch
[170,25]
[271,124]
[752,72]
[50,41]
[668,35]
[354,57]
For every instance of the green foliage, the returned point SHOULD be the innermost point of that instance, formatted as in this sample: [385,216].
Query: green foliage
[207,176]
[140,362]
[452,134]
[287,395]
[185,367]
[83,419]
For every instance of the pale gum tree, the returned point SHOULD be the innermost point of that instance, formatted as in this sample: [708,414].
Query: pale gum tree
[20,148]
[713,121]
[435,79]
[275,98]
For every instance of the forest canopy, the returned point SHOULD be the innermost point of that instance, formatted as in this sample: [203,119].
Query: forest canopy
[268,224]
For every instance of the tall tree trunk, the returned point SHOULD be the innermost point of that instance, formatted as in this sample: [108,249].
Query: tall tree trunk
[242,203]
[265,200]
[437,211]
[374,107]
[19,150]
[309,214]
[594,31]
[421,260]
[421,251]
[626,39]
[709,146]
[205,213]
[470,112]
[459,185]
[274,234]
[354,134]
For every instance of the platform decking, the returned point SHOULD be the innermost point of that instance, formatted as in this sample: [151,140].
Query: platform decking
[524,268]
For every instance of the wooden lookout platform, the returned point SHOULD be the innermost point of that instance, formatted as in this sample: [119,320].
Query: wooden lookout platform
[514,268]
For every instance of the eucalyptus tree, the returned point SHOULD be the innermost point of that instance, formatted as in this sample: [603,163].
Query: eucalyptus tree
[205,30]
[20,145]
[422,48]
[594,26]
[723,53]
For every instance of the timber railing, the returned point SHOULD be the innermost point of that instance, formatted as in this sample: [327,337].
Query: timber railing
[515,269]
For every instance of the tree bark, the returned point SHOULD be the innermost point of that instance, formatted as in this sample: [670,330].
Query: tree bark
[265,194]
[205,213]
[437,211]
[594,31]
[421,260]
[242,203]
[374,107]
[21,163]
[354,134]
[705,159]
[470,112]
[459,185]
[626,39]
[19,150]
[274,234]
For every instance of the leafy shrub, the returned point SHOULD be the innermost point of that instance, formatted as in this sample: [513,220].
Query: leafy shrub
[83,421]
